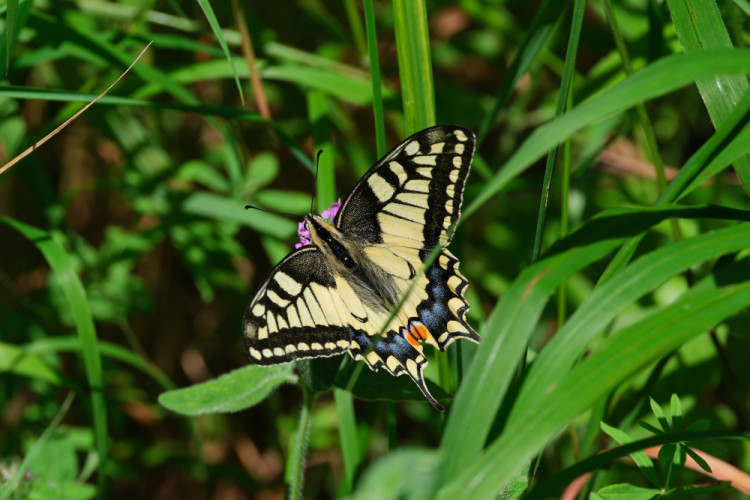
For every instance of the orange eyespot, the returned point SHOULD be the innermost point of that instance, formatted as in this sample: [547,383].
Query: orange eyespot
[416,333]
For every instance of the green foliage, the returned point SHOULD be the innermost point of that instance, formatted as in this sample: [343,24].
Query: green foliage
[604,285]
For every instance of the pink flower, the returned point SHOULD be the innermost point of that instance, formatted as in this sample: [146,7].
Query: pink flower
[304,234]
[332,210]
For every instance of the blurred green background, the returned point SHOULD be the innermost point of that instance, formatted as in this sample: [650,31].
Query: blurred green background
[127,259]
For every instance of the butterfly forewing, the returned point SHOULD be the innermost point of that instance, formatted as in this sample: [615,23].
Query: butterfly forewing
[413,195]
[294,314]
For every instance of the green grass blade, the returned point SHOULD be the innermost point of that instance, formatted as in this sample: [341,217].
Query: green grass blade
[562,100]
[208,11]
[317,109]
[377,95]
[543,25]
[414,64]
[699,27]
[10,486]
[629,350]
[107,350]
[512,322]
[643,276]
[294,474]
[659,78]
[234,391]
[348,436]
[11,21]
[75,294]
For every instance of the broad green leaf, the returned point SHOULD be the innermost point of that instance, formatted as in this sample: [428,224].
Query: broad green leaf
[14,359]
[627,492]
[228,209]
[381,386]
[234,391]
[400,474]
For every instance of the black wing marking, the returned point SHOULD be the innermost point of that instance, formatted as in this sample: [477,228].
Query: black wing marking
[413,195]
[294,314]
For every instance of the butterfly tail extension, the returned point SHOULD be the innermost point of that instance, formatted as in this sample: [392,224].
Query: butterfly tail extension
[395,355]
[444,311]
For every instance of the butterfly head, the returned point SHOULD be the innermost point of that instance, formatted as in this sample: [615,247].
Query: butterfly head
[304,228]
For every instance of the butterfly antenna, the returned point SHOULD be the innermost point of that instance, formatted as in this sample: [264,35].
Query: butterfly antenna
[317,164]
[248,207]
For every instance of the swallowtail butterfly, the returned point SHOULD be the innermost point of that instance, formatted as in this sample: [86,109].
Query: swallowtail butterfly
[335,293]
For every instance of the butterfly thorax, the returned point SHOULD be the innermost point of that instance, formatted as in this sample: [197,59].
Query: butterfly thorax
[345,254]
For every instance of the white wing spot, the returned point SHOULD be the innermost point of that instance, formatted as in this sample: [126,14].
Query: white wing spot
[276,299]
[411,367]
[343,344]
[437,148]
[291,349]
[259,309]
[457,161]
[278,351]
[397,169]
[453,176]
[316,346]
[412,213]
[420,186]
[412,148]
[460,135]
[459,148]
[291,315]
[303,347]
[288,284]
[304,313]
[455,304]
[425,160]
[392,363]
[271,322]
[330,346]
[383,191]
[455,326]
[454,282]
[267,353]
[317,313]
[425,172]
[255,353]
